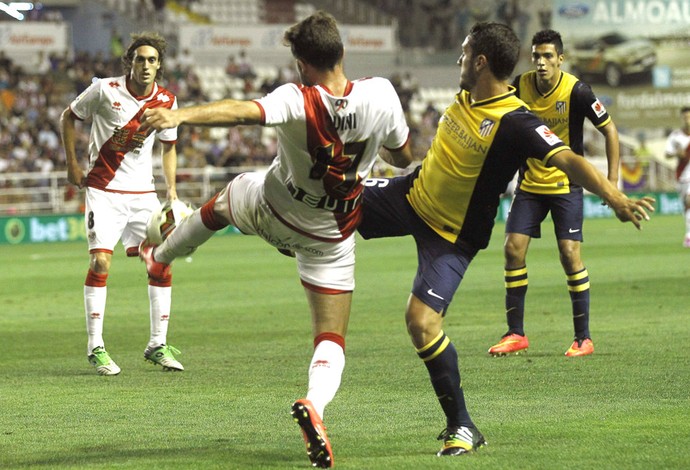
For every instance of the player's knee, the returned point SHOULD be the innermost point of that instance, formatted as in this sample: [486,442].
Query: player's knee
[570,258]
[514,253]
[100,263]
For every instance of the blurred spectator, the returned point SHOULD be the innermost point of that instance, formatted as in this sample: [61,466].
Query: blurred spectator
[185,60]
[43,64]
[30,105]
[232,68]
[512,13]
[5,62]
[406,86]
[245,66]
[117,48]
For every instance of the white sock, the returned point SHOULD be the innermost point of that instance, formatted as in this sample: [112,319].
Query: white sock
[687,222]
[159,302]
[325,373]
[184,239]
[94,305]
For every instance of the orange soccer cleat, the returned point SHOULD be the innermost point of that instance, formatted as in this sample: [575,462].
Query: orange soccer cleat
[580,347]
[510,344]
[314,433]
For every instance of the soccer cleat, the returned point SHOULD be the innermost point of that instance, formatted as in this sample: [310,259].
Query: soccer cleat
[686,241]
[459,441]
[156,271]
[510,344]
[100,359]
[314,433]
[163,356]
[580,347]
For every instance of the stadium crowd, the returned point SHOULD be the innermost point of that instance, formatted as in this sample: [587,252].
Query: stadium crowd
[31,102]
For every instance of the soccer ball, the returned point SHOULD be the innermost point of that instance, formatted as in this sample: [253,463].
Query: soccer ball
[164,220]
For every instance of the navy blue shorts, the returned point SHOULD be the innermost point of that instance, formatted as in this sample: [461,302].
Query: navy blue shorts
[441,264]
[528,211]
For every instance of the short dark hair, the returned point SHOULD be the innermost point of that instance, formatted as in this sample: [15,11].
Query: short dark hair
[316,40]
[152,39]
[548,36]
[684,109]
[499,44]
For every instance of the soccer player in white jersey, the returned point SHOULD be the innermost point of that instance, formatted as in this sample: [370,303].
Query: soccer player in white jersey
[120,193]
[330,130]
[678,147]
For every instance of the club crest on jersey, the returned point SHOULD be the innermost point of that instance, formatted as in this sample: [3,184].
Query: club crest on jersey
[486,127]
[560,107]
[548,135]
[598,108]
[340,104]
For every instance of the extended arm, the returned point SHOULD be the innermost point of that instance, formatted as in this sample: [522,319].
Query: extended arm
[583,173]
[610,133]
[224,113]
[75,174]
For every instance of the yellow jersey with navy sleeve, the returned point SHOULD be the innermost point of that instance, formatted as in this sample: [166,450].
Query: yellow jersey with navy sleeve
[563,109]
[478,147]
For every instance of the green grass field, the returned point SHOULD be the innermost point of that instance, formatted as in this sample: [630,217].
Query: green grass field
[241,321]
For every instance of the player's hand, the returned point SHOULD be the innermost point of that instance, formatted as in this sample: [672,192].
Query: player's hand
[76,176]
[158,119]
[634,210]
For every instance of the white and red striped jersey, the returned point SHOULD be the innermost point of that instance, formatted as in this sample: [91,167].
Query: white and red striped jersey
[326,146]
[678,143]
[120,158]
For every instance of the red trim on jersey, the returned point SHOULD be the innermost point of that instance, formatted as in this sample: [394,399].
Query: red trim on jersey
[332,337]
[323,290]
[154,88]
[113,151]
[263,113]
[119,191]
[132,251]
[94,279]
[331,164]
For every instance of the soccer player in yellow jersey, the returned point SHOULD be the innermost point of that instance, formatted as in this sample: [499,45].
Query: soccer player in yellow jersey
[562,102]
[449,204]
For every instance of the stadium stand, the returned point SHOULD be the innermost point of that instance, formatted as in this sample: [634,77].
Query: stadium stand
[32,167]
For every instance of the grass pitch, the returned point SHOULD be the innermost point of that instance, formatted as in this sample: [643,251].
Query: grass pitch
[241,320]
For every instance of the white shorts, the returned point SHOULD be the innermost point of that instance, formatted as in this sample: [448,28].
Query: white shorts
[110,217]
[325,265]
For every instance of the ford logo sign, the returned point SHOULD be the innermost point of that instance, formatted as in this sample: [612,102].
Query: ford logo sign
[574,11]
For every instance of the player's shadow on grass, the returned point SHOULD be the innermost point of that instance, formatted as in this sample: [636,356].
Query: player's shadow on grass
[208,452]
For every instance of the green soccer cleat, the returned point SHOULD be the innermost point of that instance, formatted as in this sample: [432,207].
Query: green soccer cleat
[163,355]
[100,359]
[459,441]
